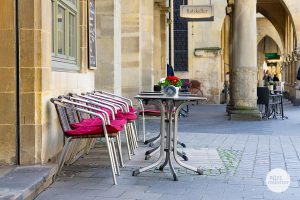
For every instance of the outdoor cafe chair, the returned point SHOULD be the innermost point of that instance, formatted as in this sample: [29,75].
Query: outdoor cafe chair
[113,109]
[103,129]
[122,112]
[272,103]
[111,115]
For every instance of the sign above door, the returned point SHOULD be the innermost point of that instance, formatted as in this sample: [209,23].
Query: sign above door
[197,12]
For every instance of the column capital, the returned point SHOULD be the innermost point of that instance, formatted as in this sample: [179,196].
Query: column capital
[230,2]
[229,7]
[296,54]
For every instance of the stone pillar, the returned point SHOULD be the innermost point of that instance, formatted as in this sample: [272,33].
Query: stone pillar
[297,85]
[146,44]
[130,47]
[243,81]
[8,83]
[108,23]
[35,72]
[157,59]
[226,52]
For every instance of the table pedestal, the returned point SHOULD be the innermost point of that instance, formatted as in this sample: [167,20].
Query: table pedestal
[169,149]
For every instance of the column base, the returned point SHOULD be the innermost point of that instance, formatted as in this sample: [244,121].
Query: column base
[297,98]
[244,114]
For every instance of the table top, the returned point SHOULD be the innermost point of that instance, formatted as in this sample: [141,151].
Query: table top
[160,96]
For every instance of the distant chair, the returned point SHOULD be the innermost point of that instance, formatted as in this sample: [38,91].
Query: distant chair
[195,88]
[185,85]
[271,102]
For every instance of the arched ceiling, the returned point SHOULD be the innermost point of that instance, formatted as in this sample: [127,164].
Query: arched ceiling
[274,11]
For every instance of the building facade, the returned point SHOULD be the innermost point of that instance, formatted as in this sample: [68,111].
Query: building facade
[45,51]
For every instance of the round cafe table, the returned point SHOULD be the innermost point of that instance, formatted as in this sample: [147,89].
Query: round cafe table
[169,147]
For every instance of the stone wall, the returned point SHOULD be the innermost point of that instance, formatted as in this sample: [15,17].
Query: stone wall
[7,86]
[57,83]
[147,44]
[130,47]
[41,136]
[207,67]
[108,19]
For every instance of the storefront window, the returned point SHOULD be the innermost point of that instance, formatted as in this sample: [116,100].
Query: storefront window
[72,36]
[65,40]
[61,30]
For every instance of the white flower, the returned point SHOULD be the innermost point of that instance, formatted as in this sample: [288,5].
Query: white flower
[162,80]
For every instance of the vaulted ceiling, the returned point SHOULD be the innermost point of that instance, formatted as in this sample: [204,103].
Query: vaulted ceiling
[275,11]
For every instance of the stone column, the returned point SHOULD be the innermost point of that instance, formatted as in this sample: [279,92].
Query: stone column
[130,47]
[35,73]
[297,85]
[8,83]
[146,44]
[108,23]
[243,79]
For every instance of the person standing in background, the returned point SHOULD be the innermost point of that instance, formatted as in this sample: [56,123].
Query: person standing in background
[275,78]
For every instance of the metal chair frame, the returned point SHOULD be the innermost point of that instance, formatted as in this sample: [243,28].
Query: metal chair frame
[61,105]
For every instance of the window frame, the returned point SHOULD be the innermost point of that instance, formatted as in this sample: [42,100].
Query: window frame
[65,62]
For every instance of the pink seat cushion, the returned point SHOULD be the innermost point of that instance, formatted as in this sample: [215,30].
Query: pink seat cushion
[107,110]
[129,115]
[132,109]
[81,131]
[151,112]
[121,119]
[114,127]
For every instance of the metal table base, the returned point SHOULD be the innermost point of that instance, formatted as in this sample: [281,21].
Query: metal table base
[170,148]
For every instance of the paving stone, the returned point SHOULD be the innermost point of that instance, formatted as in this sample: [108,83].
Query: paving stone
[140,195]
[251,148]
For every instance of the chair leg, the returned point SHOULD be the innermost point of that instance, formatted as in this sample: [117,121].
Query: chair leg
[144,128]
[131,138]
[134,134]
[109,149]
[73,151]
[115,156]
[90,144]
[131,145]
[120,149]
[64,154]
[135,131]
[127,142]
[111,152]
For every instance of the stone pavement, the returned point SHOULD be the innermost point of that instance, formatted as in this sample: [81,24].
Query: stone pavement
[236,157]
[24,182]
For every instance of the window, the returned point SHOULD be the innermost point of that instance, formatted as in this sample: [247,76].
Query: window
[65,40]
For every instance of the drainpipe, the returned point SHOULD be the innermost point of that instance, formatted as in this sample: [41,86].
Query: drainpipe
[170,34]
[18,126]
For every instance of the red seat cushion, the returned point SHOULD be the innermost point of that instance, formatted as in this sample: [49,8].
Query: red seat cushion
[132,109]
[128,115]
[151,112]
[91,130]
[114,127]
[107,110]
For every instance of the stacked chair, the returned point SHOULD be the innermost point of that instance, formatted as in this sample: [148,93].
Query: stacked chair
[88,116]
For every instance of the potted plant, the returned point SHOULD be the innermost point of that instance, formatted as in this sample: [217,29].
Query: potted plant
[271,85]
[170,85]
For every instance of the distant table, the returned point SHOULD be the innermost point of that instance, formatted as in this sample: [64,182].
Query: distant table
[167,105]
[277,100]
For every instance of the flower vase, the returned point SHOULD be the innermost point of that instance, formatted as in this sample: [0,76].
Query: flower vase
[271,87]
[170,91]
